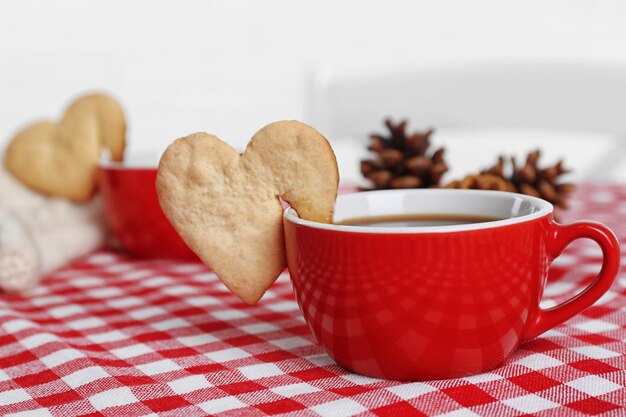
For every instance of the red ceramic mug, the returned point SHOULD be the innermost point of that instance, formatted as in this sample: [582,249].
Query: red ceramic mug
[439,301]
[133,212]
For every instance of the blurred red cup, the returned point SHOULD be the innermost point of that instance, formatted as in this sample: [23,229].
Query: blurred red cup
[133,212]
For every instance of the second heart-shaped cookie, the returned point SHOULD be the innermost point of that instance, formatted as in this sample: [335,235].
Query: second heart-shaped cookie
[61,159]
[226,205]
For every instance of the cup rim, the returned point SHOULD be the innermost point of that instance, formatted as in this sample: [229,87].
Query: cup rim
[544,209]
[134,160]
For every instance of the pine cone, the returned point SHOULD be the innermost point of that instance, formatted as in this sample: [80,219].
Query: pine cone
[403,161]
[529,179]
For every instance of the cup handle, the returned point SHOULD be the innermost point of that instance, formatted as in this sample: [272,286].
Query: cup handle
[563,235]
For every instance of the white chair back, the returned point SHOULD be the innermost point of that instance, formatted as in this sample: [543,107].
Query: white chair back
[569,95]
[559,95]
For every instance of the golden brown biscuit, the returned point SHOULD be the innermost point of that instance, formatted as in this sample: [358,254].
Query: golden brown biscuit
[226,206]
[61,159]
[107,114]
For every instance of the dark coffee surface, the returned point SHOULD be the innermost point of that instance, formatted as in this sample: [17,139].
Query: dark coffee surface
[417,220]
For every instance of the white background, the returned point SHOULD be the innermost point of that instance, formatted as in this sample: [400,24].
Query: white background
[230,67]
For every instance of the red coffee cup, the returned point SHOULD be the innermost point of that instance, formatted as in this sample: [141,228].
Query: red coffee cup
[133,212]
[440,301]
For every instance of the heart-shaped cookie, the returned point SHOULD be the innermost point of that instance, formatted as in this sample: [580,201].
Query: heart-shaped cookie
[61,159]
[226,205]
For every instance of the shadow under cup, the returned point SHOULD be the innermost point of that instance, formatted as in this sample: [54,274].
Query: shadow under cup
[433,302]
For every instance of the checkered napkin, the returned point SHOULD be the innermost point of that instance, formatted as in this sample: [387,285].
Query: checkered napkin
[115,336]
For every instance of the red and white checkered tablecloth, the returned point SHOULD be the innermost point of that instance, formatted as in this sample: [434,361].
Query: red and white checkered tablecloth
[115,336]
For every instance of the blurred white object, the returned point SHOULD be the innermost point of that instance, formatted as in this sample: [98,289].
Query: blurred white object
[39,234]
[571,110]
[19,258]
